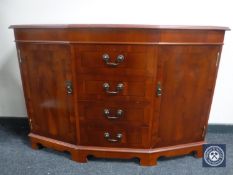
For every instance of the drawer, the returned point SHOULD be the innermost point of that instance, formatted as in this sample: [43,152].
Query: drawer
[116,59]
[135,114]
[115,88]
[114,136]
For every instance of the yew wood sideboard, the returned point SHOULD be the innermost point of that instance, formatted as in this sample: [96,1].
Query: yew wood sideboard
[119,91]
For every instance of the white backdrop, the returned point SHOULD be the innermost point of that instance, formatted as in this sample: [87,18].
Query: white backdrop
[176,12]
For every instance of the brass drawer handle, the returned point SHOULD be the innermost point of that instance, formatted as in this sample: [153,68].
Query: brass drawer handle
[117,139]
[119,59]
[119,88]
[119,114]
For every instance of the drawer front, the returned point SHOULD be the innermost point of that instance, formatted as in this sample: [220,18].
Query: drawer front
[115,88]
[114,136]
[135,114]
[116,59]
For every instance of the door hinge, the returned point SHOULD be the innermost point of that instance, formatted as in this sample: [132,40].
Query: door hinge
[30,123]
[218,58]
[19,56]
[203,131]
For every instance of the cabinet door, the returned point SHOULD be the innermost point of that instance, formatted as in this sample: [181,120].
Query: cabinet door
[45,70]
[187,79]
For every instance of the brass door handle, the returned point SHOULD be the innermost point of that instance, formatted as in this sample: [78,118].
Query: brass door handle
[119,88]
[108,137]
[119,114]
[69,87]
[120,58]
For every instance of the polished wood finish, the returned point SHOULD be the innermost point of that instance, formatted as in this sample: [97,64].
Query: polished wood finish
[136,114]
[181,60]
[133,34]
[45,68]
[148,157]
[91,87]
[116,26]
[139,60]
[187,78]
[134,137]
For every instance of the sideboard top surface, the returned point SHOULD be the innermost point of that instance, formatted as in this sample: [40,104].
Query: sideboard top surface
[121,26]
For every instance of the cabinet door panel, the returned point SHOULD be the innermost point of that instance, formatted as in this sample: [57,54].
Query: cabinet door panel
[45,70]
[187,79]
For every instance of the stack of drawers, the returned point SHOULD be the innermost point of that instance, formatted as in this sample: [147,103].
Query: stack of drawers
[116,89]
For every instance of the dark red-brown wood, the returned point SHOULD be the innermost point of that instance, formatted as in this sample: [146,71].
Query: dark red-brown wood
[183,60]
[45,68]
[187,78]
[115,26]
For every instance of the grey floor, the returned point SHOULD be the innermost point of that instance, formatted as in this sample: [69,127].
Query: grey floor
[17,158]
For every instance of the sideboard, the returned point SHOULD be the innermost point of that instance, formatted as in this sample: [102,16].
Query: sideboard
[119,91]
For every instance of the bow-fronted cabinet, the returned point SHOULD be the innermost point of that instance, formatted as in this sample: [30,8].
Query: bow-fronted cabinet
[119,91]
